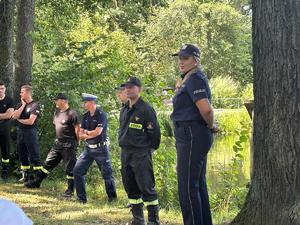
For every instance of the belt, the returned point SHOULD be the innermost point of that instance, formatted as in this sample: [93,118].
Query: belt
[64,140]
[187,123]
[97,145]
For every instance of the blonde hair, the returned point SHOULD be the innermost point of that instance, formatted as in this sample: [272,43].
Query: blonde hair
[27,87]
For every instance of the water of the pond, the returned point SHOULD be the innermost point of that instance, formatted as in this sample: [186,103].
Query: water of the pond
[219,158]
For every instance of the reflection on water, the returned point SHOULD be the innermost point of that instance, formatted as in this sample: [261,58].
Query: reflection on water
[220,156]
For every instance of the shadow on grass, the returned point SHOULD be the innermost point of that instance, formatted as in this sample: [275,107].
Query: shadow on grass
[45,206]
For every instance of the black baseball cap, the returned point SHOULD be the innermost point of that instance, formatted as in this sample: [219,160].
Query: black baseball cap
[62,96]
[120,87]
[188,50]
[133,81]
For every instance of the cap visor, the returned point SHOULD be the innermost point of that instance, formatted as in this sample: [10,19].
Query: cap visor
[184,54]
[129,84]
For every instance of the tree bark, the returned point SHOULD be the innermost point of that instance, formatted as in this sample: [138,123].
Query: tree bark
[274,196]
[6,43]
[24,44]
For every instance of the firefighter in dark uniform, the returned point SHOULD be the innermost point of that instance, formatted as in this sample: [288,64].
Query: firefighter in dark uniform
[139,134]
[193,120]
[27,114]
[93,131]
[67,126]
[6,110]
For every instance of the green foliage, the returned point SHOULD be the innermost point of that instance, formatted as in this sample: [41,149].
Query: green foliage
[247,93]
[224,92]
[223,34]
[230,120]
[165,173]
[231,193]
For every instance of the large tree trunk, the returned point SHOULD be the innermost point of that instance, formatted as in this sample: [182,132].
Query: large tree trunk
[6,42]
[24,44]
[274,195]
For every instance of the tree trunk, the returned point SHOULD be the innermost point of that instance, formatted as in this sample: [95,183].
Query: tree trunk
[274,194]
[6,43]
[24,44]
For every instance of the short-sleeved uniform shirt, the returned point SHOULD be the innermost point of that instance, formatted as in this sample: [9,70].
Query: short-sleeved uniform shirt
[89,122]
[65,123]
[5,104]
[193,89]
[30,108]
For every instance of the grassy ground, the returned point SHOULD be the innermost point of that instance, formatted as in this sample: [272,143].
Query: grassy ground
[45,206]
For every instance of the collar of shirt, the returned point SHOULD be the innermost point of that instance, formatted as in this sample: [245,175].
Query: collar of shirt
[136,105]
[97,111]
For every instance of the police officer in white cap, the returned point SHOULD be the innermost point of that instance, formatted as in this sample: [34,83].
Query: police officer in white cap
[93,131]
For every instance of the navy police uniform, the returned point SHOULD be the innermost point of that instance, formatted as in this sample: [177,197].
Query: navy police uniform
[193,141]
[94,149]
[5,104]
[27,139]
[139,134]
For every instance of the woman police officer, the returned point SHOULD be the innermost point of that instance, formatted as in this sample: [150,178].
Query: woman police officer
[194,123]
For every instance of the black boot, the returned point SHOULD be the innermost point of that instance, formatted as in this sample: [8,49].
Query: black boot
[4,174]
[137,214]
[36,182]
[153,218]
[70,190]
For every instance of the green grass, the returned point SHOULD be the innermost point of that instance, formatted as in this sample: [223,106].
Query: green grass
[45,206]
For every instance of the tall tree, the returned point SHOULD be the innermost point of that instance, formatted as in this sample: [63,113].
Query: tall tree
[273,198]
[24,44]
[6,42]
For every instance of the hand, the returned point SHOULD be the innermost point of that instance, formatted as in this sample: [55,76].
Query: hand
[214,128]
[22,101]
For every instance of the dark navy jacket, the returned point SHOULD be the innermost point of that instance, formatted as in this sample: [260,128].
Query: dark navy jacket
[193,89]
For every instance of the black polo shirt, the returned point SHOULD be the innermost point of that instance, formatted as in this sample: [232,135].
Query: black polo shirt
[193,89]
[139,127]
[65,123]
[89,122]
[30,108]
[5,104]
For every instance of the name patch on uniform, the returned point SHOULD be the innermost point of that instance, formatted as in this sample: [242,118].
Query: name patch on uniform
[199,91]
[136,126]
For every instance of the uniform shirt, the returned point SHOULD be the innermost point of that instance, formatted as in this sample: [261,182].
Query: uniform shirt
[89,122]
[193,89]
[30,108]
[138,126]
[5,104]
[64,124]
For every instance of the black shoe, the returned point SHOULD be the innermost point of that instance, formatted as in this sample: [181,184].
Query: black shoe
[81,201]
[112,199]
[32,184]
[67,194]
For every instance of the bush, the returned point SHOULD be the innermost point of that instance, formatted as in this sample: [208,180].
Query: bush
[247,93]
[230,120]
[224,92]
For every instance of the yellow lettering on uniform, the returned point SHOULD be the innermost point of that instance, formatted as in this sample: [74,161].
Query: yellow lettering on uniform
[136,126]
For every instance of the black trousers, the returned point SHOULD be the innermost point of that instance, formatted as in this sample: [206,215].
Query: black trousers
[193,141]
[28,148]
[4,144]
[64,150]
[138,177]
